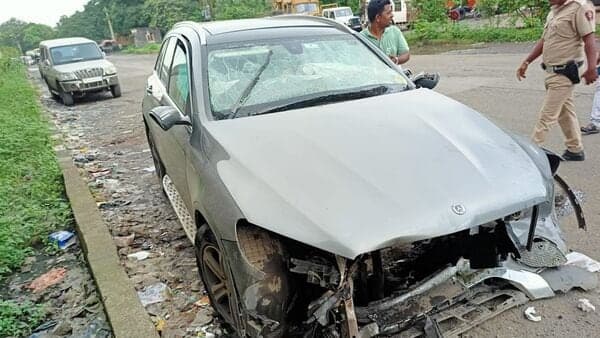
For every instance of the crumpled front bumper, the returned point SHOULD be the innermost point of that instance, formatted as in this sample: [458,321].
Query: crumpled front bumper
[90,84]
[456,299]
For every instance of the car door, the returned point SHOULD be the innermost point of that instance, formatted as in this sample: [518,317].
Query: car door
[179,96]
[169,85]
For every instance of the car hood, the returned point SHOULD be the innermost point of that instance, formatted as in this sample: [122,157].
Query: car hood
[357,176]
[75,66]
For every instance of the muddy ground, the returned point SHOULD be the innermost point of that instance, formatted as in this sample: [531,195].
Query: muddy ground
[108,142]
[61,282]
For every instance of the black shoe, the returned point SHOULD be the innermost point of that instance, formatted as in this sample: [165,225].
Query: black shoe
[571,156]
[590,129]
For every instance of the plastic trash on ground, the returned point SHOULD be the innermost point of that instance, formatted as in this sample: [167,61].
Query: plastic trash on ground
[48,279]
[532,315]
[155,293]
[585,305]
[63,238]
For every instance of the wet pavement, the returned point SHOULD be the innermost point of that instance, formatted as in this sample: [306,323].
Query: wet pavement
[61,282]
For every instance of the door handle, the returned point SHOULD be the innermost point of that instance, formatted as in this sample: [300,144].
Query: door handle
[149,89]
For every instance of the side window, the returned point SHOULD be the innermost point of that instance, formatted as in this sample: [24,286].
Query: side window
[42,54]
[179,85]
[167,58]
[161,55]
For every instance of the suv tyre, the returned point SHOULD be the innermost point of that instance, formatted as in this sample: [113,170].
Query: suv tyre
[115,90]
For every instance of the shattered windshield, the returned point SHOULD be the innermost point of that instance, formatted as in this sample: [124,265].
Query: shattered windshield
[247,78]
[75,53]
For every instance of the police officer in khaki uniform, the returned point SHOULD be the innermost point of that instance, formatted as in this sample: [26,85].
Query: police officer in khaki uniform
[567,41]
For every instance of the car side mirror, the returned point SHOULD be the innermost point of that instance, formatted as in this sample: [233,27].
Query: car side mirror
[103,54]
[167,117]
[426,80]
[47,63]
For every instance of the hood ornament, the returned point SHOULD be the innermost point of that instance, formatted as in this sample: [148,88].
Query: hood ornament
[459,209]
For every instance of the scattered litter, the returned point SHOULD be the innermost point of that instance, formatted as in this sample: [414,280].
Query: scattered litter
[583,261]
[45,326]
[98,328]
[532,315]
[585,305]
[100,173]
[48,279]
[155,293]
[149,169]
[124,241]
[202,319]
[160,325]
[140,255]
[203,302]
[63,239]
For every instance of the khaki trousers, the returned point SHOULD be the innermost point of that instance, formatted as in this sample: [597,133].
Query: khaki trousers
[558,107]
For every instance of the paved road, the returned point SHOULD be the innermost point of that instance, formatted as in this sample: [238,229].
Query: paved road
[483,79]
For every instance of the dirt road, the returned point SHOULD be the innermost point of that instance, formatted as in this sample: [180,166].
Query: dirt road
[108,142]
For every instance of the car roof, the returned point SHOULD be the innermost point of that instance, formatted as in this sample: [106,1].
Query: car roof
[283,21]
[65,42]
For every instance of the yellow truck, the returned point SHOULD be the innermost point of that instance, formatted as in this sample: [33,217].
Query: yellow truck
[306,7]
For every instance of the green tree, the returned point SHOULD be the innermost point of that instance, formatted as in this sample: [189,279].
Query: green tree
[11,33]
[241,9]
[431,10]
[163,14]
[34,33]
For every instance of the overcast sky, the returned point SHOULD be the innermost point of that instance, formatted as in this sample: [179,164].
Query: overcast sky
[47,12]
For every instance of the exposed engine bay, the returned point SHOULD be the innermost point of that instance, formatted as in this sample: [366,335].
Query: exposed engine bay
[437,287]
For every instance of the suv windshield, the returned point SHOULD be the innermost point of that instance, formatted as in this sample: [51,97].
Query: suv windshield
[75,53]
[343,12]
[254,77]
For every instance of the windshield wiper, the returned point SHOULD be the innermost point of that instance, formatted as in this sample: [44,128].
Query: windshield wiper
[329,98]
[251,85]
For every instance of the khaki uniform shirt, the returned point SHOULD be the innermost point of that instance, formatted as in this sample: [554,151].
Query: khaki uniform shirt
[565,27]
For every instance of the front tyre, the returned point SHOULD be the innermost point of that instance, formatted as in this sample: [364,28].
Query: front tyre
[115,90]
[67,98]
[212,266]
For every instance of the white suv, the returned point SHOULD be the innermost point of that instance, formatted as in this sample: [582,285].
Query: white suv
[76,66]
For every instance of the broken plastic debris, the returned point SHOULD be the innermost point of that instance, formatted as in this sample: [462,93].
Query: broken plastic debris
[48,279]
[123,241]
[155,293]
[202,302]
[582,261]
[63,238]
[585,305]
[160,325]
[149,169]
[140,255]
[532,315]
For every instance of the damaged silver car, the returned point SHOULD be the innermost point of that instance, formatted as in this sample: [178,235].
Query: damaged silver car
[327,196]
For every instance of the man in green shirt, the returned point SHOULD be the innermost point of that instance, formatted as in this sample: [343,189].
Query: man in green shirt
[383,34]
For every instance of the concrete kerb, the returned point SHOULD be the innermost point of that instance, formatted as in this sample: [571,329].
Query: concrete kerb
[125,313]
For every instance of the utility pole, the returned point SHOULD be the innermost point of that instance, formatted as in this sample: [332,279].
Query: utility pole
[110,28]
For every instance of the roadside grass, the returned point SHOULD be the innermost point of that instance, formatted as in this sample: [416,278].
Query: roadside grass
[32,198]
[16,320]
[427,33]
[150,48]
